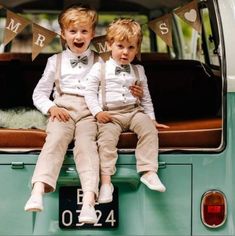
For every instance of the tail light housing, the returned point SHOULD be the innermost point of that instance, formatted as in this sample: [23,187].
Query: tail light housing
[213,209]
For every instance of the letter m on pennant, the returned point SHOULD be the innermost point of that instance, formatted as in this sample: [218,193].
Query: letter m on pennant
[14,25]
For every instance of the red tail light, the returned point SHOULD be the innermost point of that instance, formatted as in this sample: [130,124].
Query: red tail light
[213,209]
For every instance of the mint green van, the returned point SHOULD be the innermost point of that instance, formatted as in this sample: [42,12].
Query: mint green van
[191,78]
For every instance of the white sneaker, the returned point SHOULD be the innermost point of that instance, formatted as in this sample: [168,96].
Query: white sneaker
[153,182]
[106,193]
[34,204]
[88,214]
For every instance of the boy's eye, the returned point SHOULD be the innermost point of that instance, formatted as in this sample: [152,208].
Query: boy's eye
[72,31]
[84,31]
[119,46]
[132,47]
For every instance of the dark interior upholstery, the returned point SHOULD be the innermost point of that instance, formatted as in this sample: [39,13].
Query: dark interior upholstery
[183,89]
[18,78]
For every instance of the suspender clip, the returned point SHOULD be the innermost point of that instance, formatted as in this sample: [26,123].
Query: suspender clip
[105,108]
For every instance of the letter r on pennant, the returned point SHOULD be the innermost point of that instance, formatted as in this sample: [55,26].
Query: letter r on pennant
[40,40]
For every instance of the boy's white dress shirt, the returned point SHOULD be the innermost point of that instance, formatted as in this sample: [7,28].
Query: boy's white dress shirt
[117,88]
[72,79]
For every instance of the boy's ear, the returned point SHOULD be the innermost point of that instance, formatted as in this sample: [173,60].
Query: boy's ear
[62,34]
[63,41]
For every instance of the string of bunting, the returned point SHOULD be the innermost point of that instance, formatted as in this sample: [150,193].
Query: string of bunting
[162,26]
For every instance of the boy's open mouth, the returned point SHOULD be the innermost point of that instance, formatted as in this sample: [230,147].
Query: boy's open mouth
[78,45]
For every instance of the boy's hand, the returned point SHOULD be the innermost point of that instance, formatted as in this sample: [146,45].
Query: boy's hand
[103,117]
[61,114]
[158,125]
[137,91]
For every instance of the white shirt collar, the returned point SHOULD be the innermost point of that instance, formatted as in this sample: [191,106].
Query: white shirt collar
[71,54]
[113,62]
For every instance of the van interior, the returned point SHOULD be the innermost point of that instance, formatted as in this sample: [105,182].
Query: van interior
[186,93]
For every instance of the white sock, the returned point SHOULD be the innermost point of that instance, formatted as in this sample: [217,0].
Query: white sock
[38,189]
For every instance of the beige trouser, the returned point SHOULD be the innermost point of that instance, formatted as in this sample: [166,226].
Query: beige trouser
[82,128]
[147,147]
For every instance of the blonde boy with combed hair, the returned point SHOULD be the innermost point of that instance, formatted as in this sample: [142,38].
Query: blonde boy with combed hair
[117,110]
[69,117]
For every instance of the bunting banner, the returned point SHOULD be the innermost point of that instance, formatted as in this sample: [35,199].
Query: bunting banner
[189,14]
[14,25]
[41,38]
[105,55]
[162,26]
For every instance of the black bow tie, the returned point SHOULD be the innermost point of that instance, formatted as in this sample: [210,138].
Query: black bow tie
[83,60]
[124,68]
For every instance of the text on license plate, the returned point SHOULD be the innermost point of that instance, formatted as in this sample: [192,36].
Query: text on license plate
[70,204]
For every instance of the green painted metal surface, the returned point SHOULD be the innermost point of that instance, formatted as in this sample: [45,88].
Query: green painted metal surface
[141,211]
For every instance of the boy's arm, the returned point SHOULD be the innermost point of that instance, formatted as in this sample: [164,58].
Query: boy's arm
[59,113]
[42,92]
[92,89]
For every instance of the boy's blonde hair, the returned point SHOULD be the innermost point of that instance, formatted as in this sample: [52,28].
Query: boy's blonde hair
[77,15]
[124,29]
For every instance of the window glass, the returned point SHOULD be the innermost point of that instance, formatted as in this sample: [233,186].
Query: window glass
[161,45]
[2,25]
[213,57]
[190,39]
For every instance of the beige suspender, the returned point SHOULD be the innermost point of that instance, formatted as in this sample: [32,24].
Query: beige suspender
[96,57]
[137,75]
[137,82]
[58,70]
[103,84]
[103,80]
[58,73]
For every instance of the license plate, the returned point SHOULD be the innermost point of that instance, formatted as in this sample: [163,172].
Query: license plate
[70,204]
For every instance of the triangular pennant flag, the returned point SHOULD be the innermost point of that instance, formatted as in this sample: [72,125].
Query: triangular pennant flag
[100,44]
[14,25]
[41,38]
[162,26]
[101,47]
[189,14]
[105,55]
